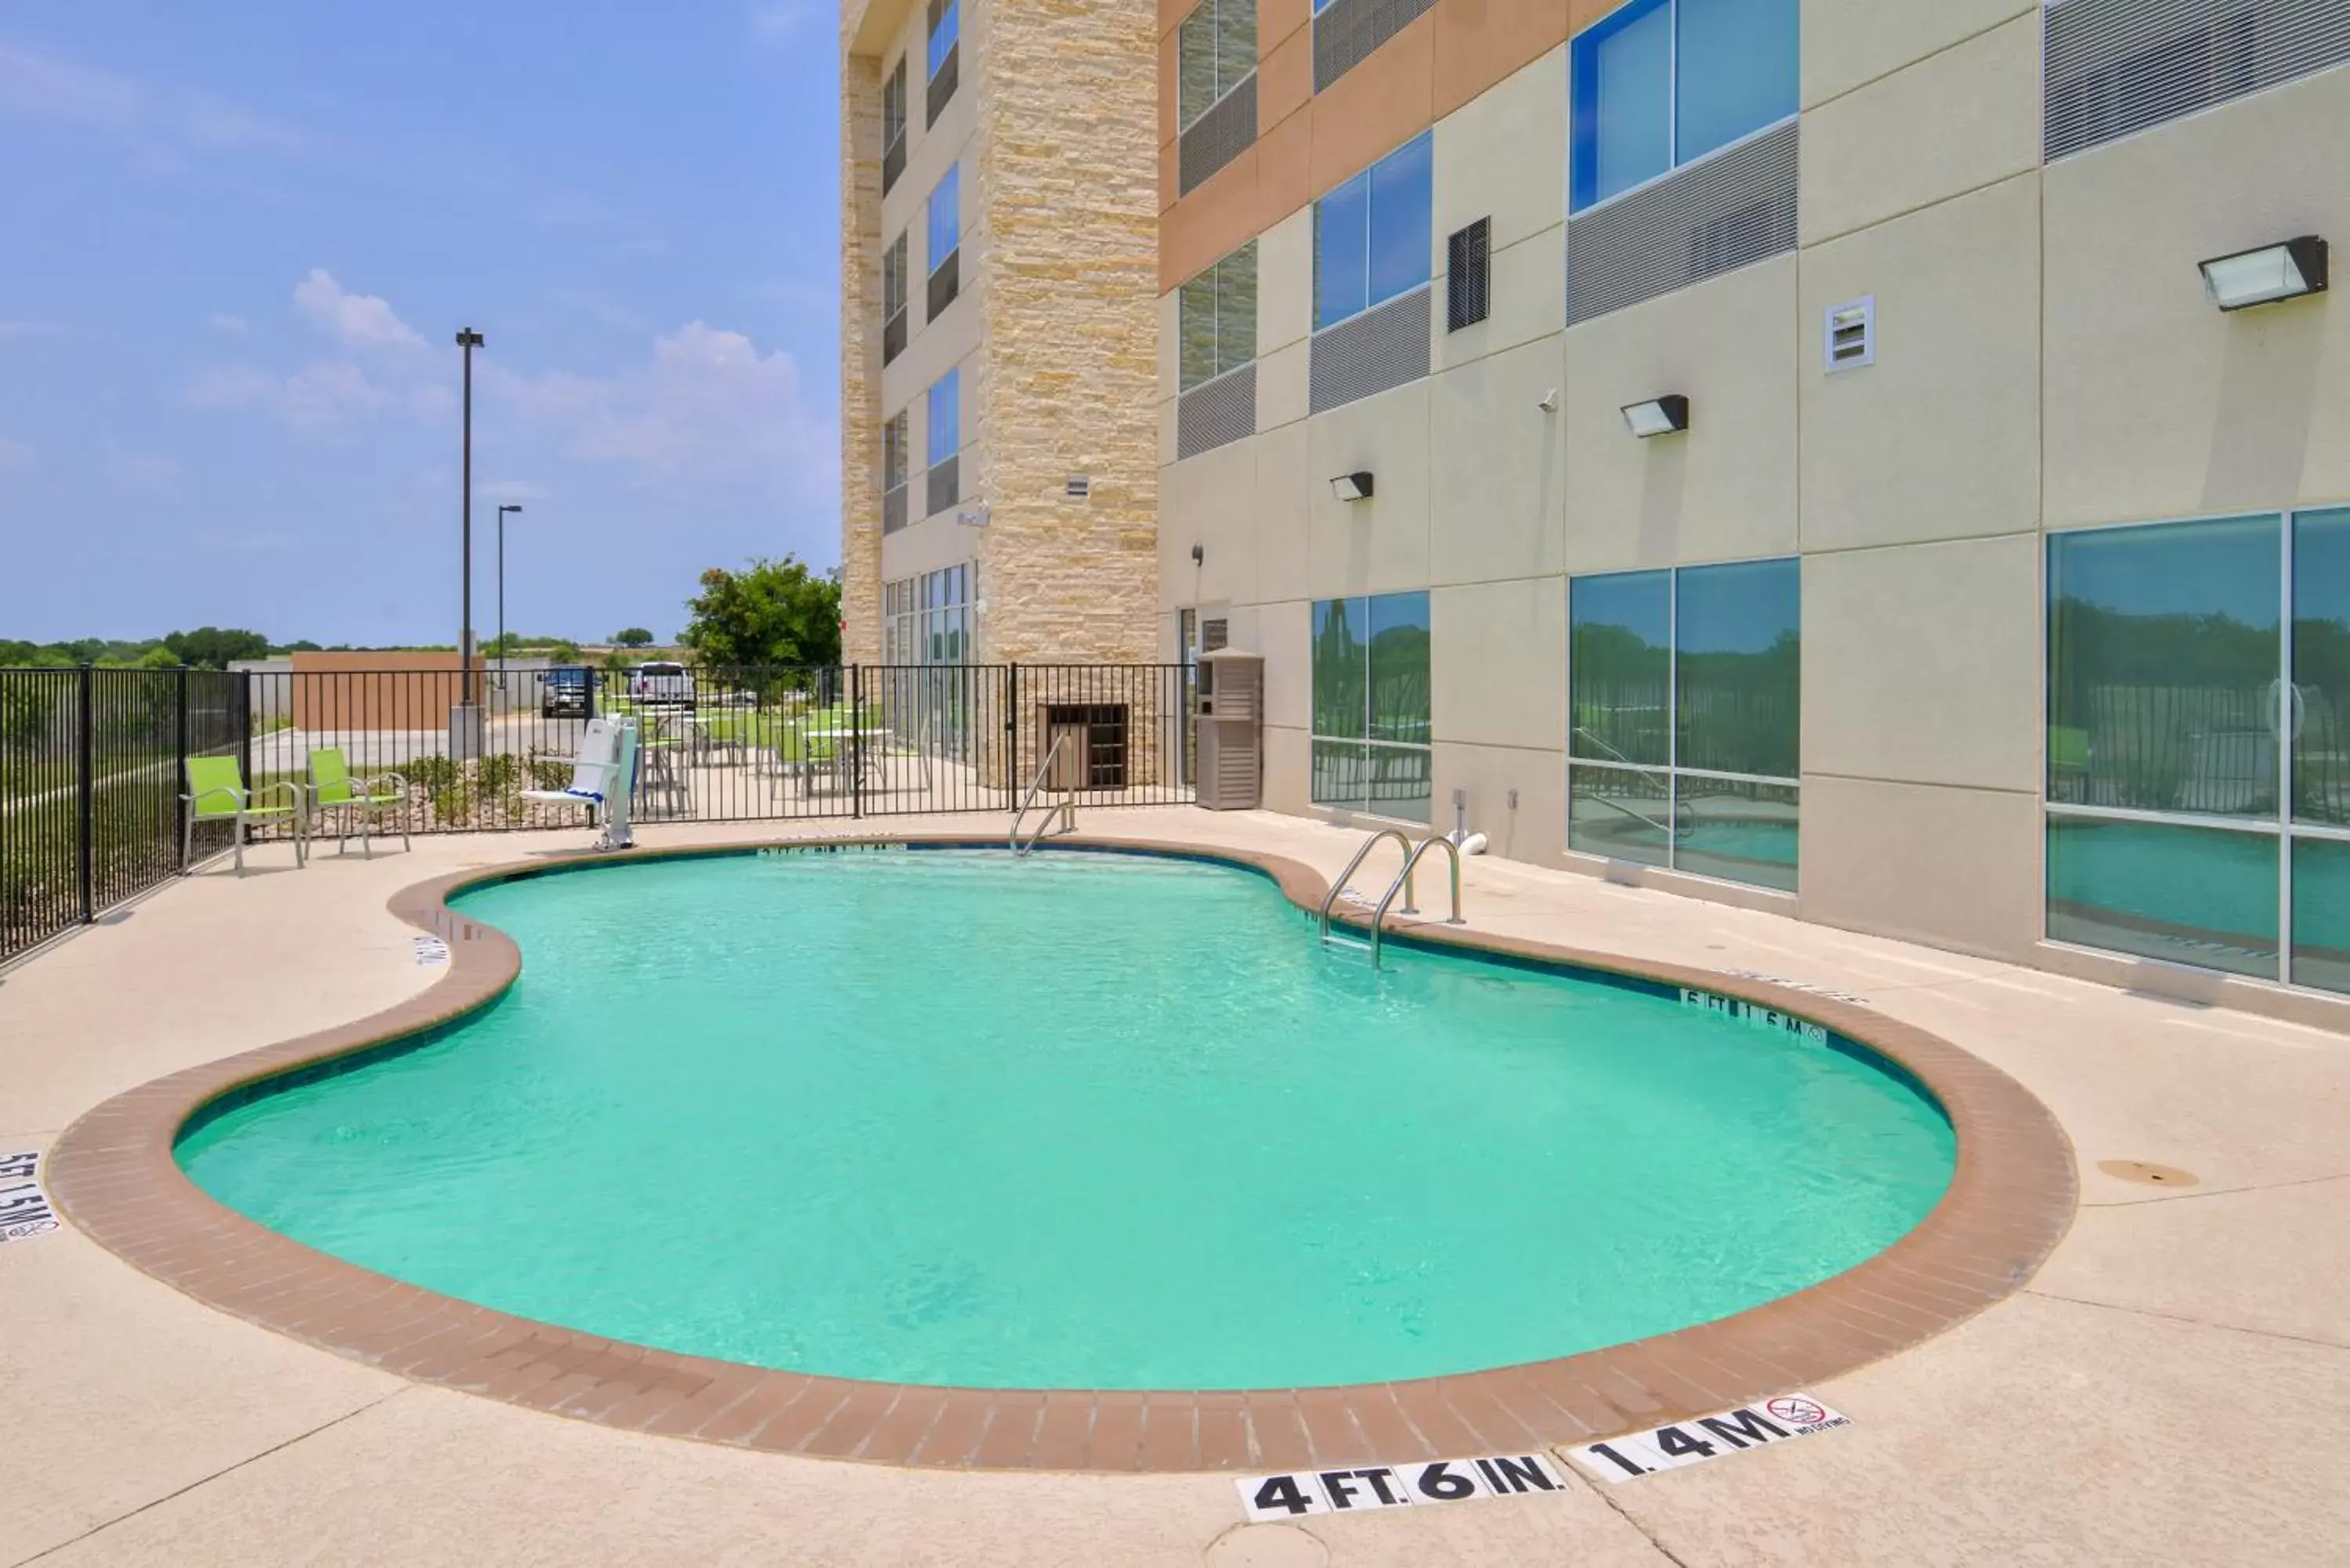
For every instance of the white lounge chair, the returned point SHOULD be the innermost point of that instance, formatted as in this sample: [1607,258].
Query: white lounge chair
[601,777]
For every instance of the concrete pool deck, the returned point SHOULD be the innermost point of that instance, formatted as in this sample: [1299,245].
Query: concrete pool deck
[2164,1390]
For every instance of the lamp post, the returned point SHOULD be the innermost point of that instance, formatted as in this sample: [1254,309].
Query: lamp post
[503,507]
[465,724]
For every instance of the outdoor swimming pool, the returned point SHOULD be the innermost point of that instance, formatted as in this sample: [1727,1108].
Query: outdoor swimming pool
[1086,1120]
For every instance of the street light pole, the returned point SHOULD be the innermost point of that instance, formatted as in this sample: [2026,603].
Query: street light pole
[470,693]
[503,507]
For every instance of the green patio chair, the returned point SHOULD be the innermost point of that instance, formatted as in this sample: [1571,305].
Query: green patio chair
[332,788]
[217,794]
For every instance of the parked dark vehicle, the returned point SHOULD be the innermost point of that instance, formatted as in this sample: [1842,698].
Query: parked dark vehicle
[566,693]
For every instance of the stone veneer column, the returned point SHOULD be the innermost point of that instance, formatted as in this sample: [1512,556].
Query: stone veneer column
[1068,178]
[861,358]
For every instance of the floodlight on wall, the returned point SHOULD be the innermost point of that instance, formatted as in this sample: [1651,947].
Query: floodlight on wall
[1658,416]
[2284,271]
[973,516]
[1352,486]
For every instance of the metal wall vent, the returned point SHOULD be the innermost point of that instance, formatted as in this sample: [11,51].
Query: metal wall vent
[2114,67]
[1216,413]
[1346,32]
[1468,280]
[1225,131]
[1081,486]
[1383,347]
[1849,331]
[1713,216]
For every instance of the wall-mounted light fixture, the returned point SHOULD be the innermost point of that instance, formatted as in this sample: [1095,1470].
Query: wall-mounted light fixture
[2262,276]
[1658,416]
[1199,554]
[1352,486]
[972,516]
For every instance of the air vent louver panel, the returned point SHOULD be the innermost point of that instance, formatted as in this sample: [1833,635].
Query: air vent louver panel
[2115,66]
[1216,413]
[1385,347]
[1729,210]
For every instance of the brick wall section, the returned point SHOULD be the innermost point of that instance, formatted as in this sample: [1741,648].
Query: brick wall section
[1069,112]
[860,356]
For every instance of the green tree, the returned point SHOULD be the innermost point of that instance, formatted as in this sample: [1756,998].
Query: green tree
[212,646]
[771,613]
[632,637]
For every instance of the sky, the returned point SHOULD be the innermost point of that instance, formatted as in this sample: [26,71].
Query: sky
[237,242]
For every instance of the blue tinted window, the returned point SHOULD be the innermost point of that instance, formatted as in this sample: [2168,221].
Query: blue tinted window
[1401,192]
[1623,102]
[946,215]
[1341,250]
[1661,83]
[946,24]
[2192,895]
[1373,234]
[1736,63]
[945,432]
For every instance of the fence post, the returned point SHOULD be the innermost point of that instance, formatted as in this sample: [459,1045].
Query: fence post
[180,762]
[244,706]
[85,790]
[855,741]
[1012,780]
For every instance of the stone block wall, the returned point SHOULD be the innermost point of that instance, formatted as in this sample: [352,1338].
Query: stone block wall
[1069,112]
[860,358]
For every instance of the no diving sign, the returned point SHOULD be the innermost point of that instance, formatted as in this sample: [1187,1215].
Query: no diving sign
[1373,1487]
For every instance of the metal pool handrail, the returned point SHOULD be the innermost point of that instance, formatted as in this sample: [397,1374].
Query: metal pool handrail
[1453,853]
[1068,805]
[1370,843]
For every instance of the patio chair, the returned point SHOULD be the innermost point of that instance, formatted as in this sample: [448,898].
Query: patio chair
[217,794]
[333,788]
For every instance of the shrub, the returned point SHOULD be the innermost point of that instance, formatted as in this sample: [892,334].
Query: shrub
[436,775]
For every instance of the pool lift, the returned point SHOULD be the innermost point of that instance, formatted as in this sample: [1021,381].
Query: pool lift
[603,779]
[1402,884]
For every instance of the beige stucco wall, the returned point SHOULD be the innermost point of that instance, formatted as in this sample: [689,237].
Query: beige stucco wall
[2045,360]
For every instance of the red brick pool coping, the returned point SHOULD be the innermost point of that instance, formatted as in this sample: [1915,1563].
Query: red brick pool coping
[2009,1202]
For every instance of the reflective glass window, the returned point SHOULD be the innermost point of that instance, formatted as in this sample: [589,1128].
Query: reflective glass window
[1736,71]
[2321,913]
[945,215]
[2320,700]
[2164,664]
[2203,896]
[1342,251]
[1623,102]
[944,421]
[1737,637]
[1618,668]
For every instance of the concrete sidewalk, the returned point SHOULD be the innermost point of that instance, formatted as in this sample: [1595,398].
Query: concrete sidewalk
[2165,1391]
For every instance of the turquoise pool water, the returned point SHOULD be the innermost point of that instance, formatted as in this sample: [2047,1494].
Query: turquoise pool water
[1080,1121]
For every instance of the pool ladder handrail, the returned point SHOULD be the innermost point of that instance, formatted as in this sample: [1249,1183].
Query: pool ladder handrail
[1403,881]
[1068,803]
[1403,884]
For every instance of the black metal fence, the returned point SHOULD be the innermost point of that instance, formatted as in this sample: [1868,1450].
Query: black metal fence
[93,762]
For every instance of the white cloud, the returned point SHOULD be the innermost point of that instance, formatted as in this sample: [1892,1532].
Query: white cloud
[221,321]
[708,405]
[16,454]
[362,320]
[38,87]
[42,86]
[780,18]
[321,397]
